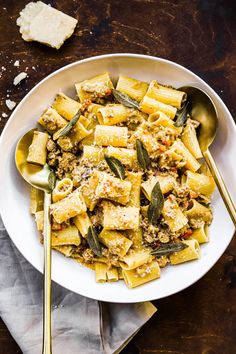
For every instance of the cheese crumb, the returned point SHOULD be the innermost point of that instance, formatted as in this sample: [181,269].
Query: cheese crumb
[19,78]
[10,104]
[42,23]
[17,63]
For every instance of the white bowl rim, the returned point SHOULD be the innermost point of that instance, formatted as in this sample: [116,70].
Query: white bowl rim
[100,57]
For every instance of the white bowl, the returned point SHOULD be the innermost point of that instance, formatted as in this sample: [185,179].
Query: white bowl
[14,203]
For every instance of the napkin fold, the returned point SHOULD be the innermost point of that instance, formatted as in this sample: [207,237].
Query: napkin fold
[79,324]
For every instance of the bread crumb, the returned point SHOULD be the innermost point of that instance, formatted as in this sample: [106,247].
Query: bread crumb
[17,63]
[19,78]
[10,104]
[4,115]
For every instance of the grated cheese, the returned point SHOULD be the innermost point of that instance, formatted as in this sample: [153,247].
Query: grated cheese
[10,104]
[19,78]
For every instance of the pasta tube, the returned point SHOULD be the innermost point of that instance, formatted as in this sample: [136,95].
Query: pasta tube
[36,200]
[201,234]
[82,222]
[114,136]
[68,207]
[198,211]
[67,236]
[39,219]
[62,189]
[200,183]
[161,119]
[142,275]
[166,184]
[92,154]
[120,218]
[150,105]
[115,241]
[38,149]
[113,188]
[173,215]
[136,236]
[113,114]
[127,157]
[189,138]
[165,94]
[191,163]
[188,254]
[112,274]
[101,272]
[66,106]
[93,121]
[78,133]
[88,189]
[135,180]
[136,89]
[91,114]
[94,88]
[135,258]
[104,273]
[52,121]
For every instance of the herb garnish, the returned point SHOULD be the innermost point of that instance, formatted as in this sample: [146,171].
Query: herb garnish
[182,115]
[68,127]
[116,166]
[93,241]
[125,99]
[142,154]
[168,248]
[156,204]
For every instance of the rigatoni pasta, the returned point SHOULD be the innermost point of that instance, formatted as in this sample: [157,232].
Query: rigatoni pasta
[136,89]
[132,194]
[141,275]
[37,150]
[113,114]
[167,95]
[111,136]
[66,106]
[150,105]
[68,207]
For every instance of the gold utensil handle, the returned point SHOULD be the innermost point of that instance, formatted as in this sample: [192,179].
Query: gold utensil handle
[221,185]
[47,348]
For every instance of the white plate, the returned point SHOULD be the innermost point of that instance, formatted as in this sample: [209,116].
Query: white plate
[14,203]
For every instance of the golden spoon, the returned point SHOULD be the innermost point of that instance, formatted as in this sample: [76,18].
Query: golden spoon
[41,178]
[204,111]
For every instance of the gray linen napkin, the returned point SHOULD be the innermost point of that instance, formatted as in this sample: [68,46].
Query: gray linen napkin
[79,325]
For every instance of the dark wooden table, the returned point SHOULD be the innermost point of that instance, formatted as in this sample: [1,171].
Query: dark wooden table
[199,34]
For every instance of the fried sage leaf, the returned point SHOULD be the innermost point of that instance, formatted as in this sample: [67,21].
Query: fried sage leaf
[182,115]
[156,204]
[68,127]
[93,241]
[124,99]
[51,180]
[116,166]
[168,248]
[142,154]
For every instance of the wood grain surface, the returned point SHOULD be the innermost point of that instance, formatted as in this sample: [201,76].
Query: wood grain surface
[199,34]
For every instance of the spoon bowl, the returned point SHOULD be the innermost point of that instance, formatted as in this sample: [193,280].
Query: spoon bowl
[40,177]
[204,111]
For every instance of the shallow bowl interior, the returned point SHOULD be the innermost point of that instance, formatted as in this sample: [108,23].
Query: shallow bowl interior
[14,202]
